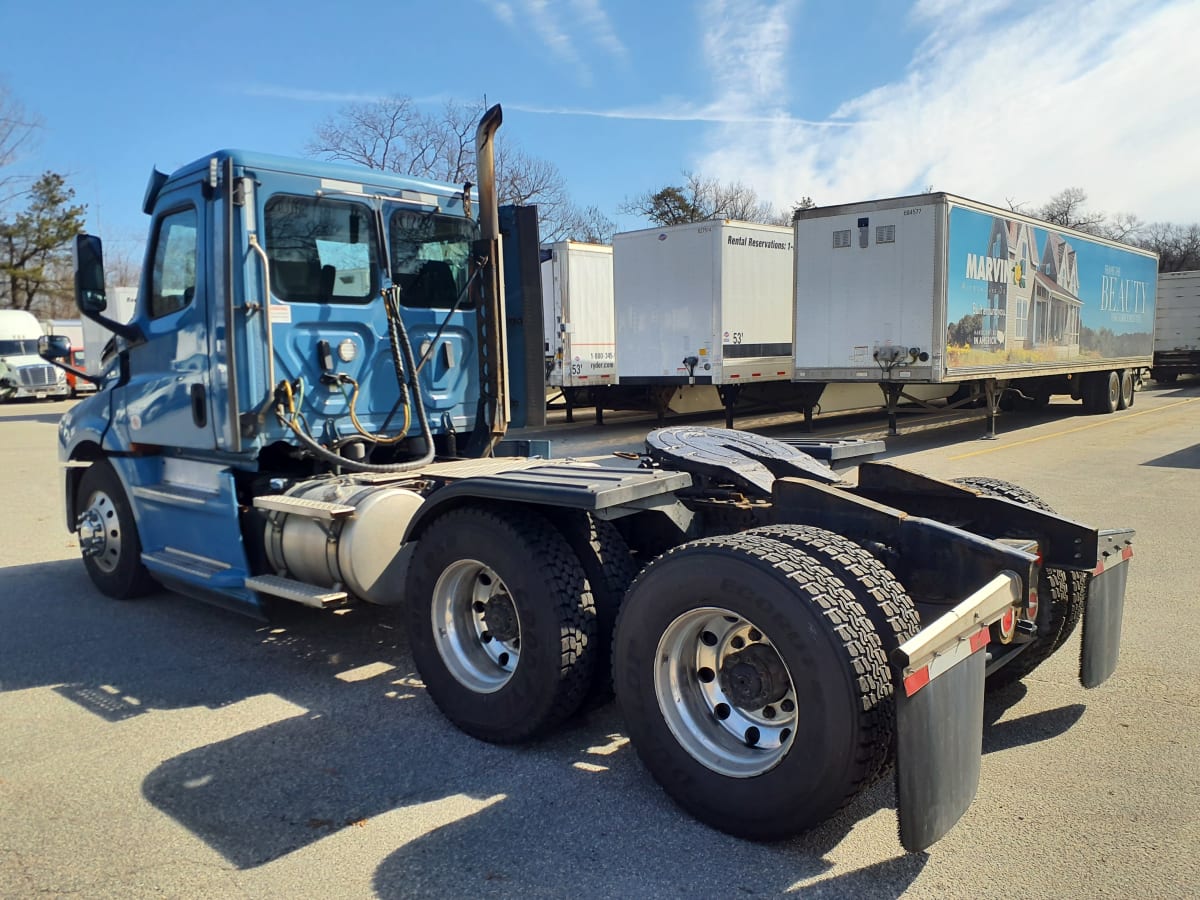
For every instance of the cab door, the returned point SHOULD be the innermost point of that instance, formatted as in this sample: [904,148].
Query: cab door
[167,396]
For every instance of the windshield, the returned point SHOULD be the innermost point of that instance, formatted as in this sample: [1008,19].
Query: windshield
[430,257]
[19,347]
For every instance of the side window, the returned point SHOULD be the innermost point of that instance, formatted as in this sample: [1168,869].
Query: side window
[174,279]
[321,251]
[431,256]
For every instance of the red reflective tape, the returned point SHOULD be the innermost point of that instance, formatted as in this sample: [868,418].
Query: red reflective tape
[756,374]
[979,640]
[1127,553]
[1099,570]
[735,376]
[781,373]
[916,681]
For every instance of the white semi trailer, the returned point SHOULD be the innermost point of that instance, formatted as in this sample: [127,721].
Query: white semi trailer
[1177,326]
[578,320]
[935,295]
[704,312]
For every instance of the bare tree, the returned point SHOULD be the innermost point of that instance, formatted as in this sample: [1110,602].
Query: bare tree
[1068,208]
[1177,246]
[17,128]
[394,135]
[699,198]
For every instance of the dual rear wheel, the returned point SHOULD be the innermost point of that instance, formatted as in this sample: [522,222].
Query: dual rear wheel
[751,669]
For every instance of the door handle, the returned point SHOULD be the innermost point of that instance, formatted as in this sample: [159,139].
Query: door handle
[199,406]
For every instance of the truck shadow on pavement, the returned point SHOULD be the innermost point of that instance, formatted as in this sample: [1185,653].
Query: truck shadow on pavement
[1023,730]
[356,744]
[42,418]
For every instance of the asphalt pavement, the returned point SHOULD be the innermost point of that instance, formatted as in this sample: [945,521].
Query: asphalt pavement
[166,748]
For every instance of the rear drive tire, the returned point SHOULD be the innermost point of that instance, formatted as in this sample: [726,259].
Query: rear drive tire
[1062,592]
[885,601]
[609,569]
[108,535]
[501,623]
[753,685]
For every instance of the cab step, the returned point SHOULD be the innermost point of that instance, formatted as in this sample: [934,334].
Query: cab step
[297,591]
[301,506]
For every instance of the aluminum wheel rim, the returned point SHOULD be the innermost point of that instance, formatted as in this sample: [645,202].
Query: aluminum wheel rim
[100,532]
[740,741]
[462,598]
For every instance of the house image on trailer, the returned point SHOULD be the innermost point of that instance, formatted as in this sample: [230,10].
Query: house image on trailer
[1037,306]
[1056,303]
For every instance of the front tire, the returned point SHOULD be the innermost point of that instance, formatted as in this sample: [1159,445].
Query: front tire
[753,685]
[108,535]
[501,623]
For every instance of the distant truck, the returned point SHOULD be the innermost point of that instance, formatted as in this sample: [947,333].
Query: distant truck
[969,302]
[73,330]
[1177,326]
[23,375]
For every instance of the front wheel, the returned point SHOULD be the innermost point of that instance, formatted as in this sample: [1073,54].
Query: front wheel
[753,685]
[501,623]
[108,535]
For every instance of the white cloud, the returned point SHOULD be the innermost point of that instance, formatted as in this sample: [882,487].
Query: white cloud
[678,110]
[1001,101]
[560,32]
[593,17]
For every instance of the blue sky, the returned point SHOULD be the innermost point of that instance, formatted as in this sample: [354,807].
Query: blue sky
[996,100]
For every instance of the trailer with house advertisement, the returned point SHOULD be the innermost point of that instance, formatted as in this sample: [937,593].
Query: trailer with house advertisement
[938,296]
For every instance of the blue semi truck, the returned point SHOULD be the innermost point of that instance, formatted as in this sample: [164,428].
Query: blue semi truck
[310,406]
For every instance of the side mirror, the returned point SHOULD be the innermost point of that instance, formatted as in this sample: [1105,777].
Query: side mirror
[89,275]
[54,346]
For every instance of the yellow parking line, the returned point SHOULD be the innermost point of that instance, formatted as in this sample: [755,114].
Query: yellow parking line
[1044,437]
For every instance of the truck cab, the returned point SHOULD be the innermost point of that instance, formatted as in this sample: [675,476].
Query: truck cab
[259,328]
[22,374]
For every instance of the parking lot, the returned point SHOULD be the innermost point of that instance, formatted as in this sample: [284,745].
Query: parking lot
[168,748]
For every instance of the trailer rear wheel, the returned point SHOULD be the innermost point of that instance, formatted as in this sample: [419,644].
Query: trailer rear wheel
[1102,392]
[753,685]
[1063,592]
[1126,400]
[501,623]
[108,535]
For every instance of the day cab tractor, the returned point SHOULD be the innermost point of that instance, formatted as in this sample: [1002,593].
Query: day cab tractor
[309,405]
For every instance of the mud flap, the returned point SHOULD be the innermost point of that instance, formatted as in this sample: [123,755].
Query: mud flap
[939,749]
[939,713]
[1104,610]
